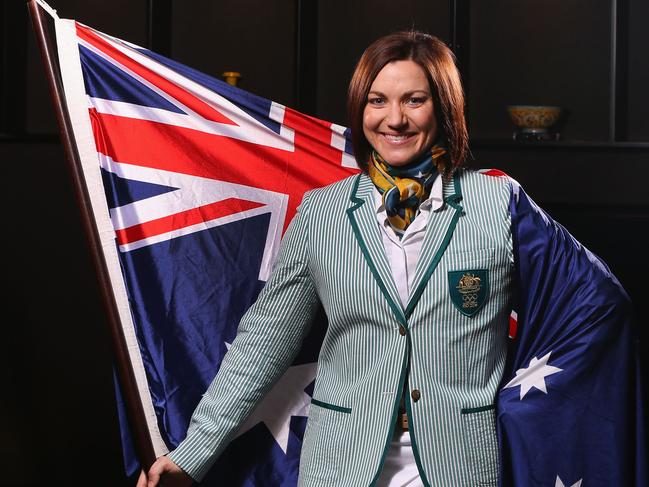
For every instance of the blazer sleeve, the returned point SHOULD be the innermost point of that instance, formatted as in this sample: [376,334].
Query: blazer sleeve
[270,335]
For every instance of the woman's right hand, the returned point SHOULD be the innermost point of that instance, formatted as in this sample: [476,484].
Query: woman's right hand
[165,470]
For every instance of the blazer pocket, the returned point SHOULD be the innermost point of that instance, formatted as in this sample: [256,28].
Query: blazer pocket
[481,444]
[321,448]
[328,405]
[469,257]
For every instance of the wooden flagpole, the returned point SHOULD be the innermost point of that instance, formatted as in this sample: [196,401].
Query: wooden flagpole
[137,419]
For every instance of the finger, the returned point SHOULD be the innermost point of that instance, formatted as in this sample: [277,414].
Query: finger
[154,477]
[141,481]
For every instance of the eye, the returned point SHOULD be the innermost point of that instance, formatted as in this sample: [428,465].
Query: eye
[375,100]
[416,100]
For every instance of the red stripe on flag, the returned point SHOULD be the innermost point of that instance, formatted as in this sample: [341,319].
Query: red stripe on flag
[513,325]
[313,163]
[494,172]
[184,219]
[185,97]
[187,151]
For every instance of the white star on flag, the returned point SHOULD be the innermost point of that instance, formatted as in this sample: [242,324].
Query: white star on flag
[534,375]
[285,400]
[559,483]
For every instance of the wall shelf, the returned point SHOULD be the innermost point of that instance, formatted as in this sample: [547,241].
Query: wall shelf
[509,144]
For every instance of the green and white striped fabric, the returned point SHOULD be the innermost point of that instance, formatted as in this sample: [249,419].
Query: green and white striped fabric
[333,254]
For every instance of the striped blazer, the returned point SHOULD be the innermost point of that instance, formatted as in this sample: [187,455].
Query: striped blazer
[446,348]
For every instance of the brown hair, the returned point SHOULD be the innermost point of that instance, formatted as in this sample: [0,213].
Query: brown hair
[438,62]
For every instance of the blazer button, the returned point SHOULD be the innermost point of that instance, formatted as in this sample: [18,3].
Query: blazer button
[415,394]
[402,330]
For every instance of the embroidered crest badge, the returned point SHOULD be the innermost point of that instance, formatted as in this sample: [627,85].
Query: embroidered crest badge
[469,289]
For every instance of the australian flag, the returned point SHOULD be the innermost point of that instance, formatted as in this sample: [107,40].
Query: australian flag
[192,184]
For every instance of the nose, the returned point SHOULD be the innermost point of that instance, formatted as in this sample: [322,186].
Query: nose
[396,117]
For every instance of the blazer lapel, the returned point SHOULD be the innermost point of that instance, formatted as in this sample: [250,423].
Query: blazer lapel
[362,217]
[439,231]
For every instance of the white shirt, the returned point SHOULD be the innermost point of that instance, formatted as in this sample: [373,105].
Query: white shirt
[400,469]
[403,254]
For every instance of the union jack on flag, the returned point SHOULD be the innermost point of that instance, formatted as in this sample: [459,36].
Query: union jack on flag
[192,183]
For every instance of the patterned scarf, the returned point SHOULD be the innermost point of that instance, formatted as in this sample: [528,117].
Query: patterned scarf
[405,187]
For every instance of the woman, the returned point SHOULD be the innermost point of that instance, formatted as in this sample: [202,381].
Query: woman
[412,261]
[376,252]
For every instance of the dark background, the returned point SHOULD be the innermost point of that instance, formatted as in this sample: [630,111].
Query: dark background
[58,421]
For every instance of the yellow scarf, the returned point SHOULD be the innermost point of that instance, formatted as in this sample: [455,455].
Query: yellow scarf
[404,187]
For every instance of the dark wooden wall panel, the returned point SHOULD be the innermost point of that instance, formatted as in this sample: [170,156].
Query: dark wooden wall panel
[58,405]
[125,19]
[574,176]
[347,28]
[39,111]
[638,70]
[14,31]
[540,53]
[255,37]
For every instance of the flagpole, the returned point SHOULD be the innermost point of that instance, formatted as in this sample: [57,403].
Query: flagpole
[137,421]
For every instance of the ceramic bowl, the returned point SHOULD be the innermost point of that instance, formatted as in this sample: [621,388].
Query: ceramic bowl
[533,118]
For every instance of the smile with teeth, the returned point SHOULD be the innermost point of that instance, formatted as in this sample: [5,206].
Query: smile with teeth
[396,138]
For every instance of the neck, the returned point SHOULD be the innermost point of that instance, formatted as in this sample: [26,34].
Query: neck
[419,167]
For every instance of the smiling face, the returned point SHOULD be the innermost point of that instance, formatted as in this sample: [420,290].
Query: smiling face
[399,117]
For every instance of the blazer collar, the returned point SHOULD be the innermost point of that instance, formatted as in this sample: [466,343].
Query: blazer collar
[439,232]
[362,218]
[441,224]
